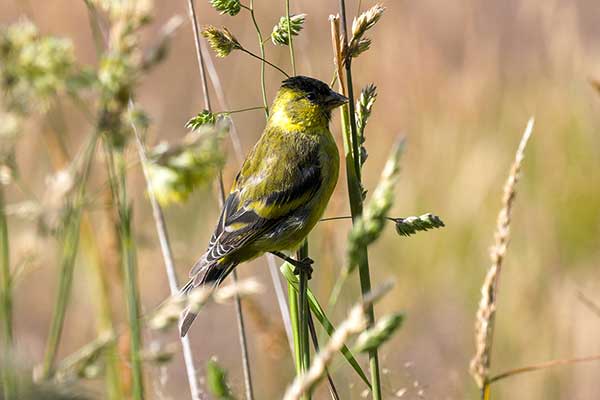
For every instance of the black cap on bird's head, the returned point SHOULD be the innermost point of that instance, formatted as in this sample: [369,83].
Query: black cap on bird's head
[315,91]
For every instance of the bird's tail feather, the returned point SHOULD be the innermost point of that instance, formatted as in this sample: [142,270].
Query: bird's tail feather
[213,274]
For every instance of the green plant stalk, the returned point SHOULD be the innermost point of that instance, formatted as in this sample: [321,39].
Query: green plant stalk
[6,306]
[261,45]
[118,178]
[304,310]
[290,41]
[70,246]
[355,196]
[295,319]
[105,322]
[352,151]
[293,283]
[89,243]
[114,388]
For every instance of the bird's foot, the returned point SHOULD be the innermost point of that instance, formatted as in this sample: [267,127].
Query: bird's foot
[304,265]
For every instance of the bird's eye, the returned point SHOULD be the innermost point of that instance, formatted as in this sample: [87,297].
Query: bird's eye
[311,96]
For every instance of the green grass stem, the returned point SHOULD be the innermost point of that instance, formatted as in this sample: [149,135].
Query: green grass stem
[117,171]
[352,150]
[6,316]
[70,245]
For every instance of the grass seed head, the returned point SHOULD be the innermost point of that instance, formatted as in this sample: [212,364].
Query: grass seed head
[221,41]
[378,334]
[279,36]
[231,7]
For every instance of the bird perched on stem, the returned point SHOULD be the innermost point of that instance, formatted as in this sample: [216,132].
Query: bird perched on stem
[282,189]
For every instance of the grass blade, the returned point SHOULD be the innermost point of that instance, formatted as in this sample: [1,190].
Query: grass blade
[288,272]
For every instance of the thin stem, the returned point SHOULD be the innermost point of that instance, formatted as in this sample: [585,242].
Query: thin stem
[283,309]
[242,337]
[335,218]
[203,81]
[592,306]
[544,365]
[6,315]
[165,247]
[264,60]
[313,334]
[216,82]
[118,177]
[350,217]
[354,182]
[70,245]
[97,33]
[243,110]
[337,290]
[208,106]
[261,45]
[290,40]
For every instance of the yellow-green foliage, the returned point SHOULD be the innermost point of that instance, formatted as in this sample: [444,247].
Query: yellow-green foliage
[176,171]
[33,68]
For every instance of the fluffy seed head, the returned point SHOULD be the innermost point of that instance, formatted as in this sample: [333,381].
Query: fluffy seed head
[280,31]
[231,7]
[221,41]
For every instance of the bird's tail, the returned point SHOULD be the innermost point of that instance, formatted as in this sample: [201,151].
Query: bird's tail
[214,274]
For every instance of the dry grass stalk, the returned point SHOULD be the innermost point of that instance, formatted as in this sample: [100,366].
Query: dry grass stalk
[484,325]
[544,365]
[334,20]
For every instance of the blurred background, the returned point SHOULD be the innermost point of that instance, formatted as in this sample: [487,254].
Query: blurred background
[459,80]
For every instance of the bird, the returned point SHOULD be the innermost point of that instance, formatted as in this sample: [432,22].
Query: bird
[281,190]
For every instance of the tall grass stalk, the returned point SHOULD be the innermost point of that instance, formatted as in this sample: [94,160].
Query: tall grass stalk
[238,306]
[261,45]
[165,247]
[60,158]
[290,39]
[117,171]
[70,245]
[6,316]
[486,313]
[90,248]
[295,320]
[301,328]
[352,154]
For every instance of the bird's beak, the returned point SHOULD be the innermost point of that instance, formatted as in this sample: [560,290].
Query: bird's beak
[335,100]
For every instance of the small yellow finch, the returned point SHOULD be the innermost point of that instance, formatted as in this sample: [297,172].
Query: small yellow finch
[282,189]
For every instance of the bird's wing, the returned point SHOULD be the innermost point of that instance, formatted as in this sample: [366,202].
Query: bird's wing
[266,190]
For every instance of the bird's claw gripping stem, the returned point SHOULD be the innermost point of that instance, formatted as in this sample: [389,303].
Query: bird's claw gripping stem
[303,265]
[299,265]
